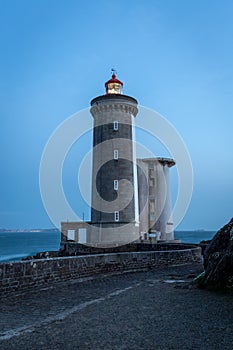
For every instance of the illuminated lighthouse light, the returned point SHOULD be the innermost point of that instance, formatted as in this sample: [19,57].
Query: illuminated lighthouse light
[113,86]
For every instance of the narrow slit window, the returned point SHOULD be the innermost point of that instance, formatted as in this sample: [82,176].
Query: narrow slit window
[116,185]
[116,154]
[115,125]
[116,215]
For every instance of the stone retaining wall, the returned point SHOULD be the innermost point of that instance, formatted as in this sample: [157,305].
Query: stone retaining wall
[73,248]
[25,275]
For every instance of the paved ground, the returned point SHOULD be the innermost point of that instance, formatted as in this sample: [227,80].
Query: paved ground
[146,310]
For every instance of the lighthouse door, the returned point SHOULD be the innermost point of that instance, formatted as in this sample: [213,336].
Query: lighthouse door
[82,235]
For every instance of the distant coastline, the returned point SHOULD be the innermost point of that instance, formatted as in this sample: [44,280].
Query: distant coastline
[44,230]
[57,230]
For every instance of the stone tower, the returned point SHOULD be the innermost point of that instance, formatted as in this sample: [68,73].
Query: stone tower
[130,198]
[155,197]
[114,212]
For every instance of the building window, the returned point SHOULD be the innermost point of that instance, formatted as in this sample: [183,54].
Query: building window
[116,154]
[115,185]
[115,125]
[116,215]
[70,235]
[82,235]
[152,206]
[152,182]
[152,216]
[151,165]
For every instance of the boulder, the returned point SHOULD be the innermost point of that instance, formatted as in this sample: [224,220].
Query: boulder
[218,260]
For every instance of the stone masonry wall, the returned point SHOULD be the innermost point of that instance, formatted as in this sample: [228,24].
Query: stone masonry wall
[21,276]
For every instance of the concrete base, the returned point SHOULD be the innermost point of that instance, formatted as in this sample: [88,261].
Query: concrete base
[113,234]
[106,234]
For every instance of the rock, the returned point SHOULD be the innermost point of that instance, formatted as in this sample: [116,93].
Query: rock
[203,244]
[218,260]
[197,280]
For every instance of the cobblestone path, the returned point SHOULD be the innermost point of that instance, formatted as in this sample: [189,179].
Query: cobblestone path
[157,309]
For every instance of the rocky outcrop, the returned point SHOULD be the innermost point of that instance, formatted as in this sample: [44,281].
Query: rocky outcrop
[218,260]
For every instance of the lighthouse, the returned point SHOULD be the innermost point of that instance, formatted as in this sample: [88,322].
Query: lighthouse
[114,204]
[130,197]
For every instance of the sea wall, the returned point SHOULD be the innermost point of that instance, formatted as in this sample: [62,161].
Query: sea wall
[22,276]
[73,248]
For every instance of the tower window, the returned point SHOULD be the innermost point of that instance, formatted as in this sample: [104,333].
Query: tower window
[116,185]
[116,154]
[152,182]
[115,125]
[152,217]
[116,215]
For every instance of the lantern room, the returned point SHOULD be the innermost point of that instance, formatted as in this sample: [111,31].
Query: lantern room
[113,86]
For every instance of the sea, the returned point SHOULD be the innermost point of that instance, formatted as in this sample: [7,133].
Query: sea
[16,245]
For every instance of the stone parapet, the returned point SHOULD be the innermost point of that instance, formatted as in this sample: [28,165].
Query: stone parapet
[22,276]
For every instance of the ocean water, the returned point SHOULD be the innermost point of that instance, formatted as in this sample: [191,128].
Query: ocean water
[194,236]
[16,245]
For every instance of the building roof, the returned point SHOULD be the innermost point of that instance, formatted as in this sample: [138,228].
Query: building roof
[165,161]
[113,80]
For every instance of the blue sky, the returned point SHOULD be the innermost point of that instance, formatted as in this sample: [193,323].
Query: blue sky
[174,56]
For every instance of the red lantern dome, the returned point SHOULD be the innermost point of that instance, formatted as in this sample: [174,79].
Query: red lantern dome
[113,86]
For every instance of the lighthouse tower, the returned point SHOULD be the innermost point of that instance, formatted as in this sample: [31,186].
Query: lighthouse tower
[114,212]
[122,186]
